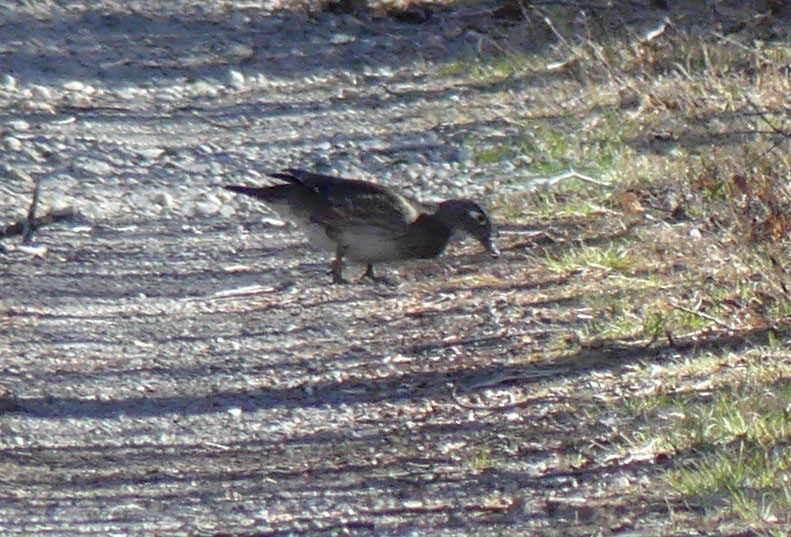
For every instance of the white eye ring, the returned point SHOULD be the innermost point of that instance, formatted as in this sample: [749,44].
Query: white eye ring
[478,216]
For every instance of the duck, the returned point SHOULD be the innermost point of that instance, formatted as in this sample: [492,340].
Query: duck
[368,222]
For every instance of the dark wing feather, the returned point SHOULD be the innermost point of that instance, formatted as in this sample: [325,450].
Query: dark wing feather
[350,203]
[269,194]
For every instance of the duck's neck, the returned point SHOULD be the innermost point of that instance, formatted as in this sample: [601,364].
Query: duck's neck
[428,238]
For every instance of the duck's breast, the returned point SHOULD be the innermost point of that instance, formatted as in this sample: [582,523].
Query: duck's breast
[369,245]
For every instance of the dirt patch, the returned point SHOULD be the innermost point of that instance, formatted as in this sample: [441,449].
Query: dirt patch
[175,361]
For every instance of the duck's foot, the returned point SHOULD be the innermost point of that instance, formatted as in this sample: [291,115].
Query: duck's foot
[369,275]
[339,280]
[337,270]
[337,277]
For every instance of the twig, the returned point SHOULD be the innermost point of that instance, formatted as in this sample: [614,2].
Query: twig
[735,43]
[762,114]
[212,122]
[552,28]
[503,378]
[702,315]
[24,227]
[30,223]
[571,174]
[457,398]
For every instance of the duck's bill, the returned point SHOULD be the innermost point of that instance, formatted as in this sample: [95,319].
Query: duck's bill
[491,248]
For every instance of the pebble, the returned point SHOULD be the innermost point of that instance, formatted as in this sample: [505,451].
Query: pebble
[40,92]
[74,85]
[342,39]
[208,206]
[187,209]
[203,208]
[227,211]
[78,100]
[150,153]
[163,199]
[130,94]
[236,79]
[35,251]
[7,82]
[95,167]
[240,51]
[19,125]
[13,143]
[200,87]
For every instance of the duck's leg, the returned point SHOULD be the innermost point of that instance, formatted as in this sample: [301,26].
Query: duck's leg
[337,267]
[369,273]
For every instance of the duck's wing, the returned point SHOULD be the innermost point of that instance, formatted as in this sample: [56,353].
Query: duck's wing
[341,203]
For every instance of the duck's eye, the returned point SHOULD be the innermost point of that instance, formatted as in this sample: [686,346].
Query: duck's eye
[478,216]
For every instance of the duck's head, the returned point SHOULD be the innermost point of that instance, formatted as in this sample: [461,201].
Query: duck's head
[470,218]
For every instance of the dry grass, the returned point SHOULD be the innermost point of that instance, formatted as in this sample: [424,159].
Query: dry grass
[682,261]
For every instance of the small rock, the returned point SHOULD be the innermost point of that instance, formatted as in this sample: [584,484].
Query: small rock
[96,167]
[163,199]
[38,106]
[35,251]
[201,87]
[80,101]
[187,209]
[150,153]
[131,94]
[341,39]
[236,79]
[240,51]
[7,82]
[40,92]
[227,211]
[208,206]
[19,125]
[74,85]
[13,143]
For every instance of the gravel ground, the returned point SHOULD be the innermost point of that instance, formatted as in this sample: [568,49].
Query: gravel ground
[180,365]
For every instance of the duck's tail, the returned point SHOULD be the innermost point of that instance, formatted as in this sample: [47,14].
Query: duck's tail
[271,194]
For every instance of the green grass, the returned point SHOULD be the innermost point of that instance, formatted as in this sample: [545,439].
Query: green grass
[729,442]
[481,460]
[673,123]
[492,154]
[733,448]
[611,256]
[738,451]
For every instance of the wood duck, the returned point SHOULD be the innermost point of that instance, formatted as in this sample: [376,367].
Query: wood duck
[367,222]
